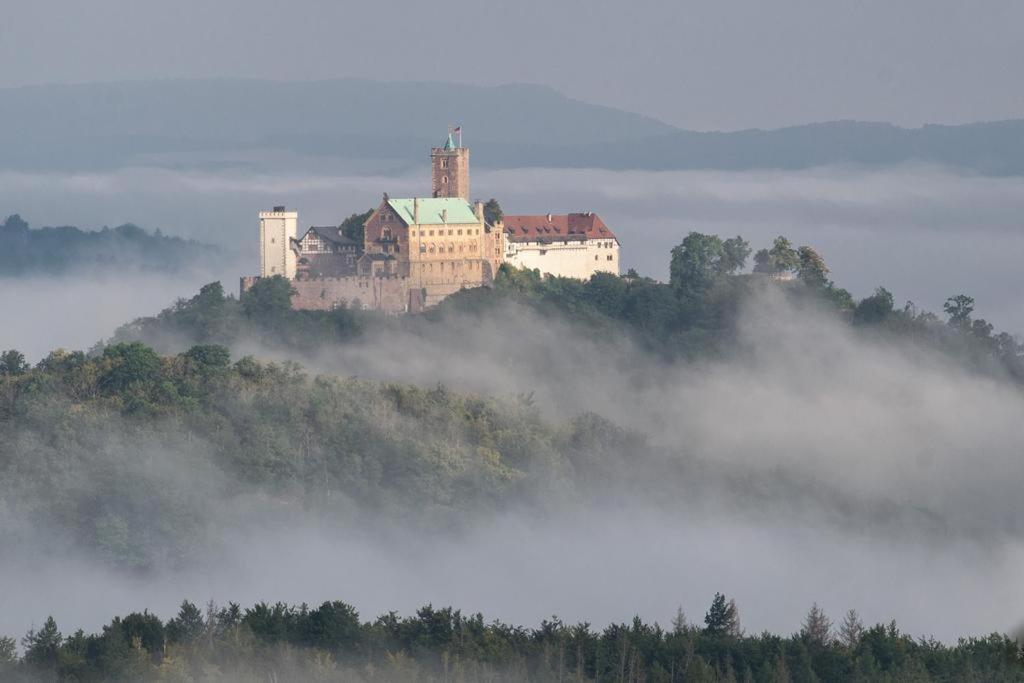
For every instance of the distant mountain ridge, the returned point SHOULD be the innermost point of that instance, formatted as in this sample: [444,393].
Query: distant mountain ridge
[264,124]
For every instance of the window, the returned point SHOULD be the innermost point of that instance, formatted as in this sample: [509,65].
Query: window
[460,232]
[450,232]
[595,257]
[444,180]
[609,257]
[433,247]
[451,248]
[431,233]
[423,249]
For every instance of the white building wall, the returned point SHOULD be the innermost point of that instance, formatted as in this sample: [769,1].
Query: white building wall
[277,229]
[576,259]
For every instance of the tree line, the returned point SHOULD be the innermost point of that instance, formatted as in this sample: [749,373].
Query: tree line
[278,642]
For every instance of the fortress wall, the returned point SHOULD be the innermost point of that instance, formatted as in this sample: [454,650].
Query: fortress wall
[388,294]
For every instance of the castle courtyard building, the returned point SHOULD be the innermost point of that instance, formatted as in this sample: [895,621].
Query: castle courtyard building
[575,245]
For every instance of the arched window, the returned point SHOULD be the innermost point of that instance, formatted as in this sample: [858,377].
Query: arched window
[433,247]
[444,180]
[451,248]
[386,233]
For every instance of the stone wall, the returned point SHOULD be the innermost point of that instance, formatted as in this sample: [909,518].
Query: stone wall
[388,294]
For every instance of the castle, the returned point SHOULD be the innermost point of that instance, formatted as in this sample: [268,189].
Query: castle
[417,251]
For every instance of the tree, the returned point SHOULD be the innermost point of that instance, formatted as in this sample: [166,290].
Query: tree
[959,309]
[145,627]
[817,627]
[735,252]
[187,626]
[12,362]
[132,364]
[780,258]
[268,297]
[763,262]
[493,212]
[851,630]
[679,623]
[811,269]
[42,647]
[875,308]
[209,356]
[353,227]
[8,650]
[722,618]
[333,626]
[695,264]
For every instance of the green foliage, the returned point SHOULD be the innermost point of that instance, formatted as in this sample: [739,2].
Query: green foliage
[269,297]
[286,642]
[492,211]
[42,647]
[722,618]
[695,264]
[354,227]
[8,651]
[187,626]
[874,309]
[12,362]
[958,309]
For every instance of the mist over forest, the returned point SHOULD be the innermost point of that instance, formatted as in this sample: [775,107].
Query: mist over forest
[594,450]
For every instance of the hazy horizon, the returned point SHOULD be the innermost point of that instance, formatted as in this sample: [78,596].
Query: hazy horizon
[700,66]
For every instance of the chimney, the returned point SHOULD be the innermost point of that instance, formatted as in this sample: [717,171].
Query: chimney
[549,218]
[478,209]
[416,210]
[444,216]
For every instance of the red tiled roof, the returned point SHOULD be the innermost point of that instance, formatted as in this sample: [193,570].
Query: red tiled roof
[575,226]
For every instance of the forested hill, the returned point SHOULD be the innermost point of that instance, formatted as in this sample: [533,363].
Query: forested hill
[692,316]
[213,123]
[59,250]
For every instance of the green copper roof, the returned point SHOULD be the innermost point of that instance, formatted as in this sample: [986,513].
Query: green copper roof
[450,143]
[432,210]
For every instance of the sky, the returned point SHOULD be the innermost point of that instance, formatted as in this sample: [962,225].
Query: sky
[709,65]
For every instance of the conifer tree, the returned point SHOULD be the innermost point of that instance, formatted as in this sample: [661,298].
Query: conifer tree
[817,628]
[851,630]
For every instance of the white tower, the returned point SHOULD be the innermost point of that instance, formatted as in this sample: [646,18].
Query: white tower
[277,230]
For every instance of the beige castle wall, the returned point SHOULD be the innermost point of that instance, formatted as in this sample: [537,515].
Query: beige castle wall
[388,294]
[576,259]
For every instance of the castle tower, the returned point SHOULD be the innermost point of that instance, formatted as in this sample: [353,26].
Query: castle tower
[277,230]
[451,167]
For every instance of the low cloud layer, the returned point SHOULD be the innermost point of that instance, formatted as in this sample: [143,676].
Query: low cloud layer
[924,233]
[817,465]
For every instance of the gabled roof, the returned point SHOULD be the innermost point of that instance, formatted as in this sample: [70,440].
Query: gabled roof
[432,210]
[547,227]
[329,234]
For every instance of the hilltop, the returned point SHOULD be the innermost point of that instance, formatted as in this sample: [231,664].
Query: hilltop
[60,250]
